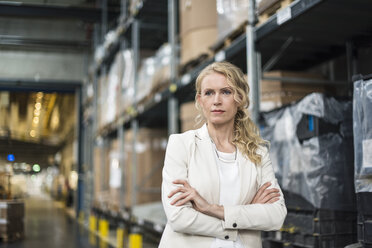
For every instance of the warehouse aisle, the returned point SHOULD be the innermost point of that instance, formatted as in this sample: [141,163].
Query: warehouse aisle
[48,225]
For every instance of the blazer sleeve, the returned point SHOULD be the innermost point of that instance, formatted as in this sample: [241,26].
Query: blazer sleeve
[185,219]
[264,217]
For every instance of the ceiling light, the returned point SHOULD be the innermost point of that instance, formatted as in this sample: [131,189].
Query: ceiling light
[37,112]
[32,133]
[36,120]
[40,94]
[38,105]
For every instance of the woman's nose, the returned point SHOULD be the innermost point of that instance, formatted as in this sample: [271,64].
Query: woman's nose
[217,99]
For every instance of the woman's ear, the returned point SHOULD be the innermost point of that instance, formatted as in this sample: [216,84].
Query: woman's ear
[198,96]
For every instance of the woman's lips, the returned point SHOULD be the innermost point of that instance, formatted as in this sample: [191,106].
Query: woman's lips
[217,111]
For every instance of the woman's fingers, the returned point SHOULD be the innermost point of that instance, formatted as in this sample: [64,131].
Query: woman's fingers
[260,192]
[263,188]
[179,189]
[273,200]
[268,192]
[181,181]
[184,201]
[188,194]
[186,191]
[270,196]
[265,195]
[179,198]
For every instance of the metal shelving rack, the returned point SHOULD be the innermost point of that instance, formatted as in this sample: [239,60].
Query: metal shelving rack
[136,31]
[304,34]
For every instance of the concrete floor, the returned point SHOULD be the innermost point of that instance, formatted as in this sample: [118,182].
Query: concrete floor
[48,226]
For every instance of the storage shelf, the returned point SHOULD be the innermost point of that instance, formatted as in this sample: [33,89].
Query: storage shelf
[153,17]
[320,30]
[315,40]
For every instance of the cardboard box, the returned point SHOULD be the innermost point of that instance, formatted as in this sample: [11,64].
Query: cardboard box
[198,27]
[188,113]
[150,153]
[101,175]
[275,93]
[197,14]
[197,42]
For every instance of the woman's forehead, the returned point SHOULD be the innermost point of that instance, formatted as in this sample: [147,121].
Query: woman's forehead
[215,80]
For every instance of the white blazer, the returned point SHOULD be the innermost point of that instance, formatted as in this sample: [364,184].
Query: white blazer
[189,156]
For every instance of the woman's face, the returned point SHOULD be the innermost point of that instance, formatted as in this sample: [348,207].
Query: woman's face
[217,100]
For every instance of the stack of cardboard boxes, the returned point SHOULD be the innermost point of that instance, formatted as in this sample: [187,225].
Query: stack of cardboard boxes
[150,153]
[110,181]
[188,114]
[198,28]
[276,93]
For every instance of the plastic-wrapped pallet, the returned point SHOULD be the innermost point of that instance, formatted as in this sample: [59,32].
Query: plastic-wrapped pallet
[118,85]
[145,76]
[162,68]
[150,151]
[231,14]
[362,117]
[127,81]
[113,89]
[362,120]
[154,73]
[319,169]
[310,151]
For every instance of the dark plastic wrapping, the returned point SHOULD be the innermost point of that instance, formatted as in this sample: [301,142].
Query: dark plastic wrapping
[362,125]
[319,169]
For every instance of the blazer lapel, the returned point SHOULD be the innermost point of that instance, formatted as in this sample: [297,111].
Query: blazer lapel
[248,182]
[207,157]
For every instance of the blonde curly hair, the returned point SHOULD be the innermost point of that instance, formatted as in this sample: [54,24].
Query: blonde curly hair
[246,134]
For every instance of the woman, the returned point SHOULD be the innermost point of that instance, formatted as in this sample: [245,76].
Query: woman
[219,188]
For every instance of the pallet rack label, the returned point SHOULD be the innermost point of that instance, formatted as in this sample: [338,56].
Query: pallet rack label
[157,97]
[186,79]
[284,15]
[220,56]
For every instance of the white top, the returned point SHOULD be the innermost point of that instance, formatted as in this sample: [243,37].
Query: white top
[229,190]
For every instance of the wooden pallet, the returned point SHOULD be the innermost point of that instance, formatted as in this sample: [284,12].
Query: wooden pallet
[229,38]
[268,8]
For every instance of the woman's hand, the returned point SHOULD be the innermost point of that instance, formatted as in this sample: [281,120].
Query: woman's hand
[188,194]
[265,195]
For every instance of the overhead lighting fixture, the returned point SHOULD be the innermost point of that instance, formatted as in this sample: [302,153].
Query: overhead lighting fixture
[40,95]
[38,106]
[36,120]
[37,112]
[33,133]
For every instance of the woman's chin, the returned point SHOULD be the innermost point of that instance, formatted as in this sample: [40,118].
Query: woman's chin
[220,121]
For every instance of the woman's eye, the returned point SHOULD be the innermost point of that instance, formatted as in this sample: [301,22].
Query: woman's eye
[226,92]
[208,93]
